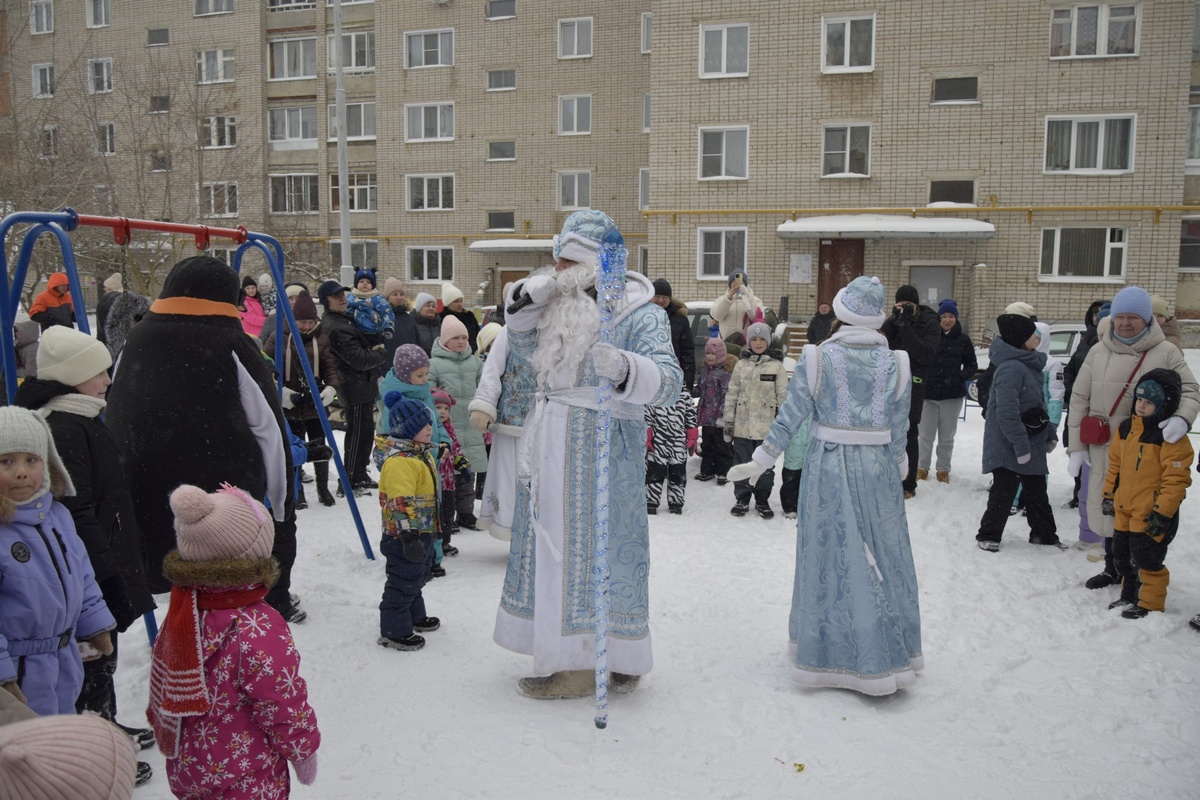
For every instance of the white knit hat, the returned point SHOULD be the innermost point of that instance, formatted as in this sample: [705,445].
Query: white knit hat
[115,282]
[66,757]
[70,357]
[1024,309]
[228,524]
[861,303]
[487,335]
[25,431]
[450,293]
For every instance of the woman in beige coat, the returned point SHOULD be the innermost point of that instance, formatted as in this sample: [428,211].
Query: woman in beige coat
[736,309]
[1124,337]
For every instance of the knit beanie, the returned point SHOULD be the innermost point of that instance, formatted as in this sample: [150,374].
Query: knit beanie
[860,302]
[25,431]
[115,282]
[948,306]
[908,294]
[225,525]
[451,326]
[70,357]
[1130,300]
[734,274]
[249,281]
[66,757]
[442,398]
[582,235]
[662,287]
[265,281]
[1105,310]
[293,289]
[364,273]
[1158,306]
[392,285]
[487,334]
[423,299]
[1015,329]
[303,307]
[1024,309]
[406,418]
[408,359]
[450,293]
[714,346]
[201,277]
[1151,392]
[759,330]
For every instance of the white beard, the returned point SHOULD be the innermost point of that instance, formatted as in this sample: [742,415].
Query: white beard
[567,328]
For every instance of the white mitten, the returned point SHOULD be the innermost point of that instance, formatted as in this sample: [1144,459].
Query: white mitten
[327,395]
[760,461]
[1076,462]
[480,421]
[540,289]
[904,466]
[1174,429]
[289,398]
[610,363]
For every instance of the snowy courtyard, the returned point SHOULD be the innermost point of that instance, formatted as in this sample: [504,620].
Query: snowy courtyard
[1032,688]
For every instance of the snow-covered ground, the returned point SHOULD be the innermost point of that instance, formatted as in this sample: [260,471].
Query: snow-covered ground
[1032,688]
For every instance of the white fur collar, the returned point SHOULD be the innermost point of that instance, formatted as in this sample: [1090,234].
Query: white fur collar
[856,334]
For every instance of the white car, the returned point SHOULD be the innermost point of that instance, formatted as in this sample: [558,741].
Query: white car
[1064,338]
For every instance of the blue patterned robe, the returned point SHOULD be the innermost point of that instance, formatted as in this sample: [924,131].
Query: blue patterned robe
[546,607]
[855,620]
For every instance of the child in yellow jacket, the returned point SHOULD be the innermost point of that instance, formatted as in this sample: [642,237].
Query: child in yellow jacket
[1146,483]
[408,500]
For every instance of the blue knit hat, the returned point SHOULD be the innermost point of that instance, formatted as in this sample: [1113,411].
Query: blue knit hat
[1104,311]
[948,306]
[406,418]
[1133,300]
[861,303]
[369,274]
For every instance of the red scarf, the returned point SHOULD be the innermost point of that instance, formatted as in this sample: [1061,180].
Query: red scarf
[177,687]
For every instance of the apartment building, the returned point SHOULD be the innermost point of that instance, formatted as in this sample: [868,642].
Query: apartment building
[986,151]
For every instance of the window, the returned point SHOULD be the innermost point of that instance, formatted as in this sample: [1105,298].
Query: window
[574,190]
[1193,151]
[956,90]
[160,103]
[106,138]
[501,221]
[1094,31]
[724,153]
[361,195]
[724,51]
[574,114]
[364,253]
[294,127]
[41,16]
[429,49]
[217,132]
[157,37]
[358,52]
[1189,244]
[104,199]
[644,259]
[1083,253]
[292,59]
[360,121]
[646,29]
[219,199]
[952,191]
[502,151]
[430,263]
[501,9]
[1089,144]
[575,38]
[47,142]
[645,113]
[720,251]
[847,151]
[291,5]
[430,192]
[214,66]
[160,161]
[433,123]
[848,44]
[43,80]
[501,80]
[97,13]
[295,194]
[644,188]
[100,75]
[205,7]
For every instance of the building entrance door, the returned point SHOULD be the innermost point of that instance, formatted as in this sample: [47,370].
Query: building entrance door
[841,262]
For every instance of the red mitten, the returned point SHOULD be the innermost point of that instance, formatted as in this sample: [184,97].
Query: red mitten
[693,435]
[649,438]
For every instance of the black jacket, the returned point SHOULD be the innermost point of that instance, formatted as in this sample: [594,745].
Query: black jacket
[428,331]
[467,318]
[405,333]
[358,359]
[919,339]
[102,506]
[953,365]
[818,327]
[1089,338]
[682,341]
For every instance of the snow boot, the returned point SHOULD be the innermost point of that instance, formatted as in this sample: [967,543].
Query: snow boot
[559,686]
[142,737]
[438,571]
[704,476]
[790,515]
[144,774]
[740,509]
[652,510]
[301,501]
[468,522]
[922,474]
[324,496]
[408,643]
[764,511]
[622,683]
[1195,622]
[1135,612]
[293,614]
[675,509]
[449,550]
[1103,579]
[426,625]
[943,476]
[722,480]
[990,546]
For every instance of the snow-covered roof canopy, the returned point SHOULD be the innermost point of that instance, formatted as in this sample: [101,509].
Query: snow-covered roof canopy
[511,246]
[885,226]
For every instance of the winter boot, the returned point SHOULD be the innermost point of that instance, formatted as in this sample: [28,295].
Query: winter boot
[675,509]
[722,480]
[559,686]
[790,515]
[142,737]
[739,509]
[1195,622]
[438,571]
[652,510]
[943,476]
[321,468]
[622,683]
[988,545]
[293,614]
[324,496]
[301,500]
[304,476]
[468,522]
[1103,579]
[764,511]
[449,550]
[426,625]
[922,474]
[1135,612]
[144,774]
[408,643]
[703,476]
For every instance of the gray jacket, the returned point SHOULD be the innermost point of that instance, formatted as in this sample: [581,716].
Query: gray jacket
[1016,389]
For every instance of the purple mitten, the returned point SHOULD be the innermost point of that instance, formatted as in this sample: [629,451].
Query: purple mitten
[306,770]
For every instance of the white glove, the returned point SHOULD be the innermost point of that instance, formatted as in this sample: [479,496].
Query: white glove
[904,466]
[1025,459]
[289,398]
[610,363]
[1174,429]
[759,463]
[540,289]
[327,395]
[1078,459]
[480,421]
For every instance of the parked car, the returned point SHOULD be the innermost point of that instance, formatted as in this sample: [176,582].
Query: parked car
[1064,338]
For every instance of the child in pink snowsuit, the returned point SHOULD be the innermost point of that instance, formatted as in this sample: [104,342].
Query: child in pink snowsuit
[227,702]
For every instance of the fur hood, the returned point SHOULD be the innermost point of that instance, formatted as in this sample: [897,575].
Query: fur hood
[220,573]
